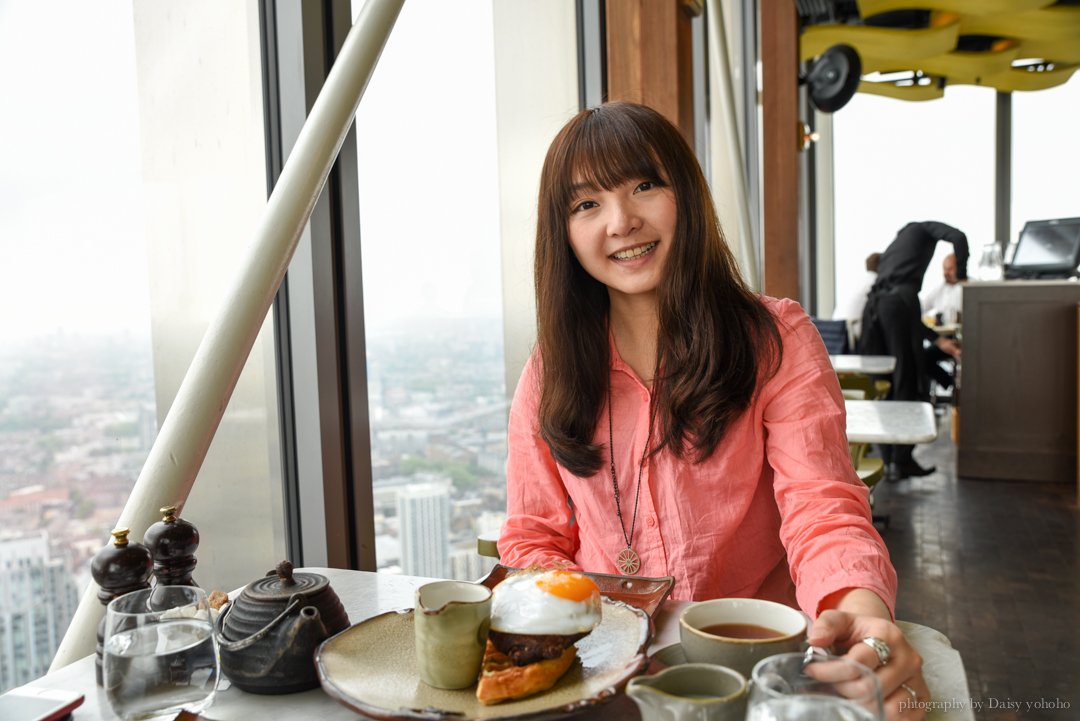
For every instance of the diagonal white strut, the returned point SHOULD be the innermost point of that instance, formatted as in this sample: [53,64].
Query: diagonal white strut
[181,445]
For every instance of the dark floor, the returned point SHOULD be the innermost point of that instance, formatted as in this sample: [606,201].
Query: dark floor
[995,566]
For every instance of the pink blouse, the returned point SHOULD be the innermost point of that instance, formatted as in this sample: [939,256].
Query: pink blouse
[777,511]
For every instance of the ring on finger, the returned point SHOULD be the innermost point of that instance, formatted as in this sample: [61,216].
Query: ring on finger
[910,690]
[884,653]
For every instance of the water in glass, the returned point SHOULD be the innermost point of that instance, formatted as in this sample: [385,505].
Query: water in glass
[159,663]
[810,708]
[813,687]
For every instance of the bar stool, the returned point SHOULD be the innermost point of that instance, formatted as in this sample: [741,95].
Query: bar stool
[871,470]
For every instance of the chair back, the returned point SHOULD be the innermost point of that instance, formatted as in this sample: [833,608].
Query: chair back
[834,334]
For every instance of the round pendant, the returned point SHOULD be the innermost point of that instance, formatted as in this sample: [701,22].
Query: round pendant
[628,562]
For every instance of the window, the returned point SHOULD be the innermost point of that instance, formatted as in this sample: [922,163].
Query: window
[133,177]
[203,179]
[433,138]
[429,220]
[898,161]
[76,375]
[1046,155]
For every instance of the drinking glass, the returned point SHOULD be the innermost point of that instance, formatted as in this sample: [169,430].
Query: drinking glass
[813,687]
[991,266]
[160,653]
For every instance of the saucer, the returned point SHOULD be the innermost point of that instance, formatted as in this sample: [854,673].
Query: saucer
[672,655]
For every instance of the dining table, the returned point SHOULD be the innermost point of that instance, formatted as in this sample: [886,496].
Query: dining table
[868,364]
[949,330]
[366,595]
[882,421]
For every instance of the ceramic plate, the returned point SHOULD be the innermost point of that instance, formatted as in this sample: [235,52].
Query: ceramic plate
[638,591]
[371,668]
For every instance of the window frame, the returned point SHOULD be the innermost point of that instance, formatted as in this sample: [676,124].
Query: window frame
[319,310]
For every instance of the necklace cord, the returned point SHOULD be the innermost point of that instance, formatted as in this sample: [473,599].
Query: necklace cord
[641,468]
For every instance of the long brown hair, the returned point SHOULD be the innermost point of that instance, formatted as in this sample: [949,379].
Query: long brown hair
[716,339]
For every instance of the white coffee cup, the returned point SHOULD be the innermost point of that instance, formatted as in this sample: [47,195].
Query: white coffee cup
[720,631]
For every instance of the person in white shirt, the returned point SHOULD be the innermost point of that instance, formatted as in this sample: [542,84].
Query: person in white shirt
[851,309]
[945,298]
[943,302]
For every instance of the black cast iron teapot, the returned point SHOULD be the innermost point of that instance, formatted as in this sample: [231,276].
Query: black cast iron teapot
[269,634]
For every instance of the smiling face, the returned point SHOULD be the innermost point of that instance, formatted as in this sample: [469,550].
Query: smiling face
[622,236]
[623,214]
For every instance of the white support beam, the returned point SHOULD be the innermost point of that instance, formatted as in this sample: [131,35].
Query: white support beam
[179,450]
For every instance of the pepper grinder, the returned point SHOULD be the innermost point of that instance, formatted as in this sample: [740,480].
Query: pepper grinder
[117,569]
[172,542]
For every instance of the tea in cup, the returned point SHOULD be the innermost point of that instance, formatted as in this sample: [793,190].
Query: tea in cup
[690,692]
[739,632]
[451,624]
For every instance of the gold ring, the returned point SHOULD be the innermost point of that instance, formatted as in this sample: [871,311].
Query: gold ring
[880,648]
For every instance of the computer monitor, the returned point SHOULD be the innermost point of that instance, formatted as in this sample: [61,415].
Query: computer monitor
[1047,249]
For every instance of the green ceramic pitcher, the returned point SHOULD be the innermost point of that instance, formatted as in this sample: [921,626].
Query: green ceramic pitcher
[690,692]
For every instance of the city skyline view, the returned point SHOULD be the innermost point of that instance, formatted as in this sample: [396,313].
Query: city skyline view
[112,285]
[77,420]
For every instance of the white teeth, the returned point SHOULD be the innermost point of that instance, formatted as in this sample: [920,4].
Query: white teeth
[634,252]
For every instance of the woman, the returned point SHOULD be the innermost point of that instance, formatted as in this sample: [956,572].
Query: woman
[670,421]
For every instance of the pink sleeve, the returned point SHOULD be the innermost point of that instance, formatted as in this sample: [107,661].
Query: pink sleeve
[826,529]
[539,528]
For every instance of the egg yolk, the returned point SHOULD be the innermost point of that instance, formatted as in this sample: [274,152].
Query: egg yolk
[564,584]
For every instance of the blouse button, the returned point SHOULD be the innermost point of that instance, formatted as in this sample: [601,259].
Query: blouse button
[651,521]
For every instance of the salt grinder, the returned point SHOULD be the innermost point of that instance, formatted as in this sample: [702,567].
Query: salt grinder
[119,568]
[172,542]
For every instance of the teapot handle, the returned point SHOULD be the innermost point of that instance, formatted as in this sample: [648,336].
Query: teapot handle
[239,645]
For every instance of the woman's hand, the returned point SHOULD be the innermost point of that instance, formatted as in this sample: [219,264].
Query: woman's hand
[902,684]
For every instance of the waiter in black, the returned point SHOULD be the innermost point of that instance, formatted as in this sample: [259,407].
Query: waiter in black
[892,322]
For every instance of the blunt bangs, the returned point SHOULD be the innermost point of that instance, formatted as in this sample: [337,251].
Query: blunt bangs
[604,150]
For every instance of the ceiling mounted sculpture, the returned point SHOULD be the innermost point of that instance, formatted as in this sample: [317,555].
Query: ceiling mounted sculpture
[914,49]
[833,78]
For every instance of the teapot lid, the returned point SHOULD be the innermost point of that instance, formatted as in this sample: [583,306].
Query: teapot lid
[281,584]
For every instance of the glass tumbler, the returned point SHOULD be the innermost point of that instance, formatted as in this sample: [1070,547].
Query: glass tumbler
[991,266]
[818,687]
[160,653]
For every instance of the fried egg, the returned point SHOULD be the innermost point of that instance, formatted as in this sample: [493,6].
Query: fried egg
[545,602]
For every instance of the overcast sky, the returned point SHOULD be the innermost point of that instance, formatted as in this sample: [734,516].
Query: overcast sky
[71,248]
[71,233]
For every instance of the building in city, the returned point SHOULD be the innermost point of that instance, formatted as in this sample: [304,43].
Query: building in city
[37,600]
[424,525]
[468,565]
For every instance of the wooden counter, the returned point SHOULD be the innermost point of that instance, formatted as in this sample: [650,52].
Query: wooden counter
[1018,381]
